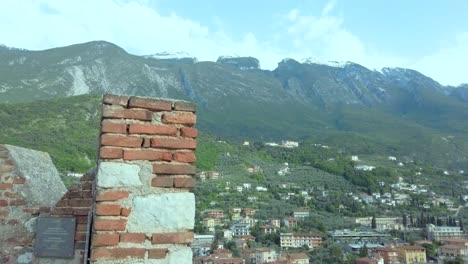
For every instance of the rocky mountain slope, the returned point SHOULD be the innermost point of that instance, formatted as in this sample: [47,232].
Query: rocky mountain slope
[395,109]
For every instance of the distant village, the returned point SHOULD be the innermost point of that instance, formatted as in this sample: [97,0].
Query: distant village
[231,232]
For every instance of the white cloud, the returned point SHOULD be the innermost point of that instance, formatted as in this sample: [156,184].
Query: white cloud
[140,29]
[447,65]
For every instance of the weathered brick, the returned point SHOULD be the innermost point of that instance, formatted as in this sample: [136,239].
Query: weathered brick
[151,104]
[115,99]
[113,195]
[109,127]
[100,240]
[163,182]
[151,129]
[7,168]
[81,219]
[110,224]
[86,194]
[117,253]
[81,227]
[3,203]
[172,238]
[31,210]
[119,112]
[173,143]
[108,209]
[80,202]
[184,182]
[17,202]
[110,153]
[61,211]
[9,194]
[90,176]
[74,194]
[146,143]
[130,154]
[190,132]
[157,253]
[13,222]
[125,212]
[188,119]
[4,213]
[184,106]
[80,236]
[188,157]
[132,237]
[19,180]
[174,169]
[121,141]
[81,211]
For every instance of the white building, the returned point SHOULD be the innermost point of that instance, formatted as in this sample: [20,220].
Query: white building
[240,229]
[292,240]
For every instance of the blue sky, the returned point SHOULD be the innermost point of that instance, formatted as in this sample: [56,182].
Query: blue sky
[429,36]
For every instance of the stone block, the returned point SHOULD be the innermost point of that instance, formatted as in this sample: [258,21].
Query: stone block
[116,174]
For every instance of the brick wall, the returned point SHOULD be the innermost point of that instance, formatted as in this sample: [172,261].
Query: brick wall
[143,208]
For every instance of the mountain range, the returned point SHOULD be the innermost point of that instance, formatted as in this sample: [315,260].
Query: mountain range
[393,111]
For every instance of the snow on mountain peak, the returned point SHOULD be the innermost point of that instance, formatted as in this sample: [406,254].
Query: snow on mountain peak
[336,64]
[165,55]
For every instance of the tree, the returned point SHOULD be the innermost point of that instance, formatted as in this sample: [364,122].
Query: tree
[405,220]
[373,222]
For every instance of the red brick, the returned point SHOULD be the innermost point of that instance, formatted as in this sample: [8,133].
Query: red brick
[100,240]
[163,182]
[17,202]
[110,224]
[62,203]
[172,238]
[6,168]
[119,112]
[125,212]
[109,127]
[157,253]
[108,209]
[61,211]
[85,185]
[81,219]
[132,237]
[80,202]
[111,195]
[44,210]
[74,194]
[188,119]
[184,182]
[173,143]
[80,236]
[117,253]
[19,180]
[189,132]
[121,141]
[81,211]
[174,169]
[3,203]
[130,154]
[110,153]
[152,129]
[86,194]
[81,227]
[115,99]
[151,104]
[188,157]
[9,194]
[184,106]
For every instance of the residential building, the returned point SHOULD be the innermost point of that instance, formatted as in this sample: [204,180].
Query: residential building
[267,229]
[442,233]
[389,255]
[235,213]
[366,260]
[248,212]
[265,255]
[453,248]
[290,222]
[382,223]
[249,256]
[240,229]
[292,240]
[412,254]
[215,213]
[209,223]
[227,234]
[349,235]
[298,258]
[301,213]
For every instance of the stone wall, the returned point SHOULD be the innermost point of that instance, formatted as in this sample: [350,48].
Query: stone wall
[29,184]
[144,212]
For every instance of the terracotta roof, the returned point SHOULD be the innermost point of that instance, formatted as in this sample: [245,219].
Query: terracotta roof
[415,247]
